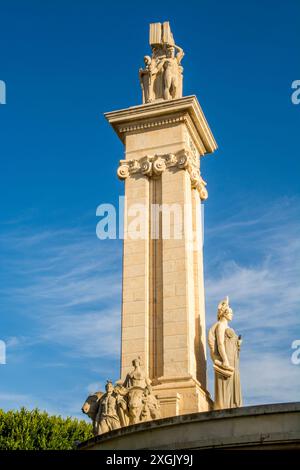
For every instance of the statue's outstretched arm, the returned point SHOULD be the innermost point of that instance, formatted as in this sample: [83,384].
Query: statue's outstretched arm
[180,53]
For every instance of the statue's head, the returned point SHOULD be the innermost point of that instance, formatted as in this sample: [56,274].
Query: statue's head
[147,60]
[155,49]
[170,51]
[136,362]
[224,310]
[109,386]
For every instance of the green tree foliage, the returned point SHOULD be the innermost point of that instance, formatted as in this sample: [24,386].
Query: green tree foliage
[36,430]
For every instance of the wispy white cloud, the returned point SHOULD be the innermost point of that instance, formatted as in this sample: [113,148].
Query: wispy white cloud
[93,387]
[94,334]
[259,268]
[270,378]
[69,284]
[14,401]
[13,341]
[15,398]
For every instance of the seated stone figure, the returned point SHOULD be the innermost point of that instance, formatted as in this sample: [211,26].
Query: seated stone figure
[136,382]
[125,403]
[137,377]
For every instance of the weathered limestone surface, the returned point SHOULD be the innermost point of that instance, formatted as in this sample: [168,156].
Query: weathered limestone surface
[163,312]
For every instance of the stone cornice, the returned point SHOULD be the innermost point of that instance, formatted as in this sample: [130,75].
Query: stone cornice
[165,113]
[152,166]
[146,124]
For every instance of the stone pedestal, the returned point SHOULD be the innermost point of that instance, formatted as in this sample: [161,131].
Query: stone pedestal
[163,305]
[170,402]
[181,395]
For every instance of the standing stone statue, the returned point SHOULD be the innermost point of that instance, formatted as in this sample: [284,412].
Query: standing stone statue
[107,418]
[146,78]
[107,410]
[224,347]
[161,79]
[173,73]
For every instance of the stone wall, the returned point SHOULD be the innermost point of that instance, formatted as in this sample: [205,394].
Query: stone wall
[253,427]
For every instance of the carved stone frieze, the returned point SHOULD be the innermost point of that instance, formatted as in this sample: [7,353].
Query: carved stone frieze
[151,123]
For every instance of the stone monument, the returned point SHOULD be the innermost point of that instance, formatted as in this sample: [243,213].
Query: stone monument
[163,345]
[163,305]
[163,309]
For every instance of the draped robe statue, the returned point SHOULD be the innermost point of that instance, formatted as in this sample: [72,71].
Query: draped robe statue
[225,350]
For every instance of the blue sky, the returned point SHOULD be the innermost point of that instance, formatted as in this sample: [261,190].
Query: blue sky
[64,64]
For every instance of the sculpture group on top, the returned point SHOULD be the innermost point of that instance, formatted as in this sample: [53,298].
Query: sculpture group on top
[123,404]
[161,78]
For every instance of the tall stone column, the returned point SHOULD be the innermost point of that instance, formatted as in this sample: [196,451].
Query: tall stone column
[163,303]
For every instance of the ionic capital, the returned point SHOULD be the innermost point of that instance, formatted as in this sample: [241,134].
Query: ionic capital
[153,166]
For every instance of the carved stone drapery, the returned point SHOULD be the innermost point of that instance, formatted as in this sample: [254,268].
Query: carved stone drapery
[123,404]
[152,166]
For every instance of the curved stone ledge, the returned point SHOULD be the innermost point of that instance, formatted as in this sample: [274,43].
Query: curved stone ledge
[265,426]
